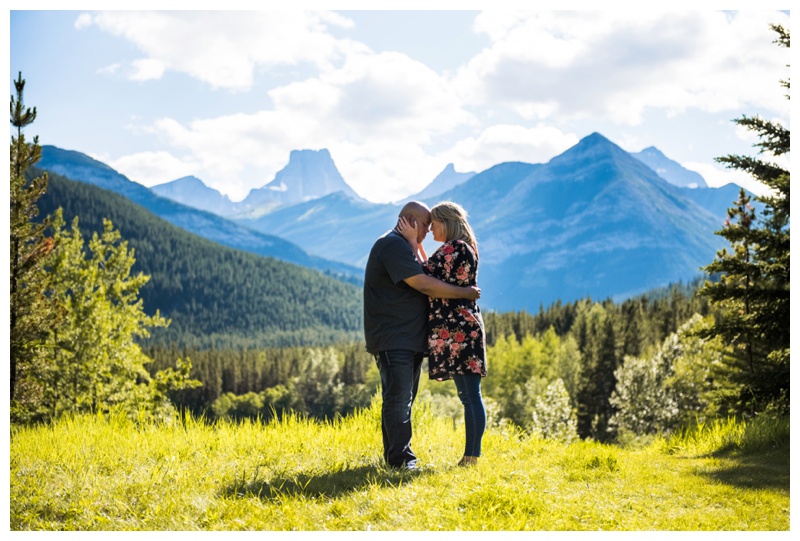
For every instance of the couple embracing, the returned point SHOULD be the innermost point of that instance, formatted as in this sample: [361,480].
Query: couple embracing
[417,306]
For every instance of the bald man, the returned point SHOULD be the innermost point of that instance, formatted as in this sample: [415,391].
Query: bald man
[396,292]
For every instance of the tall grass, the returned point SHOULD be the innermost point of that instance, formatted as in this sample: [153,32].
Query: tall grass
[717,436]
[110,473]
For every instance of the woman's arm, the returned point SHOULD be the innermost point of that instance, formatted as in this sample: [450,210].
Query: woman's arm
[422,254]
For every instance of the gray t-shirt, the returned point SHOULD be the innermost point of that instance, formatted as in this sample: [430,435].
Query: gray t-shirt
[395,314]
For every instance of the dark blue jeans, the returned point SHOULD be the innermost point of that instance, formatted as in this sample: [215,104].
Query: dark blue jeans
[400,371]
[469,391]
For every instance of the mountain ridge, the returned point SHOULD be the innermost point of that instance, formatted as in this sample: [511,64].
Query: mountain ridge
[193,192]
[601,211]
[448,179]
[78,166]
[669,169]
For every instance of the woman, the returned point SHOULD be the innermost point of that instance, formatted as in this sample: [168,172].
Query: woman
[456,336]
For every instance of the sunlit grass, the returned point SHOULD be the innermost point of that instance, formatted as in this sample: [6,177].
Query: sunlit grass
[763,434]
[95,473]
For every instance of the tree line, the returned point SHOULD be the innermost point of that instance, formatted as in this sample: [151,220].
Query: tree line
[577,346]
[321,382]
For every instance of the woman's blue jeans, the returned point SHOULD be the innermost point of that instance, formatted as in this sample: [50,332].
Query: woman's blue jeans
[400,371]
[469,392]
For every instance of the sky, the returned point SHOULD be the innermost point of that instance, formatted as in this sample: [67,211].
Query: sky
[395,95]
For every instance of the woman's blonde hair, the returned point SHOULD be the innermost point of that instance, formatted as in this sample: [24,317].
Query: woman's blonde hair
[456,226]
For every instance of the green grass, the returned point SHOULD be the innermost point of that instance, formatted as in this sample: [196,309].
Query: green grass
[101,473]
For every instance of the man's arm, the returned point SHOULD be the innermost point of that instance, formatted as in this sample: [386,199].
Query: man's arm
[432,287]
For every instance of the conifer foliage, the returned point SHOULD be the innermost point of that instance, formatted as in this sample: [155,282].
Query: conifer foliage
[31,315]
[753,291]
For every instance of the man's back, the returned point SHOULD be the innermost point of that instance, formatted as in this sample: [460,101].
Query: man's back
[395,314]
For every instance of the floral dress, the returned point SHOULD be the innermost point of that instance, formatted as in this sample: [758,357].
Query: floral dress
[456,336]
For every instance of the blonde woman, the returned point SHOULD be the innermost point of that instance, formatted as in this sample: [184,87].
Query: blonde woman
[456,335]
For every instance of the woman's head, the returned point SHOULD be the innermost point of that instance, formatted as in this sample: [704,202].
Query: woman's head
[452,224]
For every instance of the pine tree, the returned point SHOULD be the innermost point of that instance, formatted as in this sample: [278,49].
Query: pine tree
[606,382]
[754,288]
[32,315]
[596,339]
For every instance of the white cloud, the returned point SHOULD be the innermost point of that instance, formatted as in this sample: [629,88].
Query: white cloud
[152,168]
[715,177]
[111,69]
[385,95]
[391,123]
[224,48]
[505,143]
[375,114]
[146,69]
[84,20]
[402,168]
[234,153]
[617,65]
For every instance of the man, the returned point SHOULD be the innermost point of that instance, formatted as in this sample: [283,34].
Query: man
[396,292]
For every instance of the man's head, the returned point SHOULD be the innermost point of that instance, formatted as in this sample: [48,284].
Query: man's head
[418,214]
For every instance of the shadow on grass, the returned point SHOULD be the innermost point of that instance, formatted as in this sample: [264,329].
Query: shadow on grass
[319,485]
[769,470]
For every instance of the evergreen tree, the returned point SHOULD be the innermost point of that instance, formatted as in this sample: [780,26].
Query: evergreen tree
[605,383]
[753,291]
[31,314]
[596,337]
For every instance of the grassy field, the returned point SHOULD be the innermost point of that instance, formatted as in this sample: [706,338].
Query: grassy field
[101,473]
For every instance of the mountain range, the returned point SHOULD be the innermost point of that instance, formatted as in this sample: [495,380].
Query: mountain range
[594,221]
[78,166]
[449,178]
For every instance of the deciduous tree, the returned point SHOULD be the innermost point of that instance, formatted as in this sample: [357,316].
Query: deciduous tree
[96,363]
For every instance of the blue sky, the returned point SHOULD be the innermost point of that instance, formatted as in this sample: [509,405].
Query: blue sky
[393,95]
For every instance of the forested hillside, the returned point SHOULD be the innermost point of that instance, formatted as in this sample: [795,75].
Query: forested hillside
[578,346]
[214,295]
